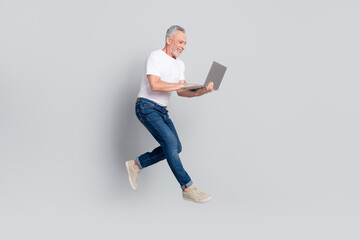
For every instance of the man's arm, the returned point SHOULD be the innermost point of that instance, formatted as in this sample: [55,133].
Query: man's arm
[157,85]
[195,93]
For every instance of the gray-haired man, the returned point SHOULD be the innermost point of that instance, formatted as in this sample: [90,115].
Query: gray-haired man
[165,73]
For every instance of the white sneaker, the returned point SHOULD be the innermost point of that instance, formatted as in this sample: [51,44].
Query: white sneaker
[133,174]
[195,195]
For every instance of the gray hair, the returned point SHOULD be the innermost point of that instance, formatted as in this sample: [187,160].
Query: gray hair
[172,29]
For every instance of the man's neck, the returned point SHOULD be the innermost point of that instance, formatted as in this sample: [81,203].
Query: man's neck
[168,52]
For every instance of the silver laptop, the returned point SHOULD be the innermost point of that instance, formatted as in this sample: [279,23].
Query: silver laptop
[215,75]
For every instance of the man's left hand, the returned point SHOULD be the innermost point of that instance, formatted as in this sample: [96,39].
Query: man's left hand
[207,89]
[195,93]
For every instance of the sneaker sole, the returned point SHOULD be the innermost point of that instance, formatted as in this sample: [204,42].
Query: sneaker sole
[128,171]
[202,201]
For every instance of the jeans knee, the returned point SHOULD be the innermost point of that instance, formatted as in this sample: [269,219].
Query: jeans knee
[172,145]
[173,148]
[179,148]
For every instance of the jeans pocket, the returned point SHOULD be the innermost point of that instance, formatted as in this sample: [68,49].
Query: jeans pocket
[146,107]
[147,110]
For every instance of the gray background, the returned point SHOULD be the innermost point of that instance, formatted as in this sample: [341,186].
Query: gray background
[277,146]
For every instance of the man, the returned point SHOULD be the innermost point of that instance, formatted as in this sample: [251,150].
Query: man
[165,73]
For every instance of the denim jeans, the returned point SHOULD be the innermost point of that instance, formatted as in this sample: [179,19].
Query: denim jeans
[156,119]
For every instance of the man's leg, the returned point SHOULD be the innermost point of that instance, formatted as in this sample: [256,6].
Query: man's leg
[157,121]
[157,124]
[150,158]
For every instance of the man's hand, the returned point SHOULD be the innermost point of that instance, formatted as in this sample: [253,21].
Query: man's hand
[207,89]
[194,93]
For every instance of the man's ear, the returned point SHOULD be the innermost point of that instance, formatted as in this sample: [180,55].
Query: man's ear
[168,40]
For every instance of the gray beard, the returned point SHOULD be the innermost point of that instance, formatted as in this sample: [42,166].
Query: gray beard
[175,54]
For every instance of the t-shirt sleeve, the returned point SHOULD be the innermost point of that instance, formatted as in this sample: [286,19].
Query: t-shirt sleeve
[153,66]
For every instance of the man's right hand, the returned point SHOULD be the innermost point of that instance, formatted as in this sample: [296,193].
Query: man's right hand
[183,83]
[194,93]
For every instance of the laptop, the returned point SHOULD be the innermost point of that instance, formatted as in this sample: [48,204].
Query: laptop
[215,75]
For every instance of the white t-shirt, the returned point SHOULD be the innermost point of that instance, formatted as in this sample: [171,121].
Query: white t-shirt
[168,69]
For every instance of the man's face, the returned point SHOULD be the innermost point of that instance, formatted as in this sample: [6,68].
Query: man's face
[177,43]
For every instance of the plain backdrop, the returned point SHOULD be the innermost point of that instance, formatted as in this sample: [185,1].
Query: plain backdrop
[277,146]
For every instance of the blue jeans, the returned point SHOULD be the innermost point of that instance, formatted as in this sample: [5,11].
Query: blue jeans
[156,119]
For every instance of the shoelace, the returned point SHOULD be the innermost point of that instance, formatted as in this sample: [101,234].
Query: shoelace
[196,191]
